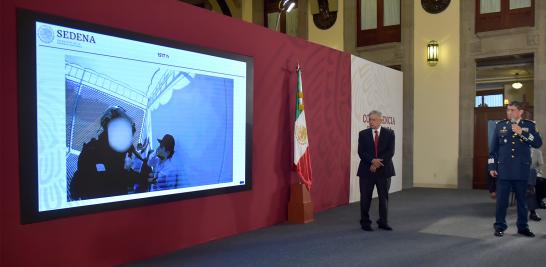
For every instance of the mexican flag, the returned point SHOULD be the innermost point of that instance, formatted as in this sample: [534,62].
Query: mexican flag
[302,157]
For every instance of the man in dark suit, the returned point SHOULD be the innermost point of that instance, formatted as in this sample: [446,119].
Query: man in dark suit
[376,149]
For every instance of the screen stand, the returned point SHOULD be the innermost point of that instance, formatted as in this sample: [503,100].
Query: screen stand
[300,206]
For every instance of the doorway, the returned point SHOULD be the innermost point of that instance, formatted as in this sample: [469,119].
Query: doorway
[499,81]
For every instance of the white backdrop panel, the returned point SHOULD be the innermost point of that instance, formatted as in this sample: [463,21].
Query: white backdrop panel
[375,87]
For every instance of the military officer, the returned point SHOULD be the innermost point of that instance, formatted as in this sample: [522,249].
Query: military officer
[509,161]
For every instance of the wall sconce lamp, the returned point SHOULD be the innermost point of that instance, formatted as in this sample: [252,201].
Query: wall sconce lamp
[284,6]
[432,53]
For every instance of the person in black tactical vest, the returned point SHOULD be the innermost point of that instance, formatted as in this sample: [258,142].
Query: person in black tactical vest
[104,164]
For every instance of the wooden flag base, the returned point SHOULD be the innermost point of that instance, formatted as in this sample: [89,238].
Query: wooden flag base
[300,206]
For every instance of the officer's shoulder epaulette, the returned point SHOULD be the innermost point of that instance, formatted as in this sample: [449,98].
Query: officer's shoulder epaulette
[529,121]
[498,122]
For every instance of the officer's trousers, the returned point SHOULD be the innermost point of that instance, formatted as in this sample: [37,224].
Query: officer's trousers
[504,187]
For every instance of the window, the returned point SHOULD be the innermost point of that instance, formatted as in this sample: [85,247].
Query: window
[504,14]
[489,99]
[378,21]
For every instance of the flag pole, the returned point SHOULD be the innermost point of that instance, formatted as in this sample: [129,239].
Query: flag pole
[300,206]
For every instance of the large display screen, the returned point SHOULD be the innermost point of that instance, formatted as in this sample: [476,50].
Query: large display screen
[112,119]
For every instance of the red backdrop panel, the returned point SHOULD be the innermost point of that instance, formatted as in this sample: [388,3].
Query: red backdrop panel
[121,236]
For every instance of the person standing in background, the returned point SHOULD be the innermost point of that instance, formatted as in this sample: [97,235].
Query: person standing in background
[536,171]
[540,187]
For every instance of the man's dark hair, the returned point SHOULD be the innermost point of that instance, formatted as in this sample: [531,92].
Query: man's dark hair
[115,112]
[517,104]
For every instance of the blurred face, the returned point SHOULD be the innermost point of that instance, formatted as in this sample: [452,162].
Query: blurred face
[120,135]
[375,121]
[513,113]
[162,153]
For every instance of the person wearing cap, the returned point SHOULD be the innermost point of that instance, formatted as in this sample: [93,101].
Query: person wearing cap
[164,173]
[104,164]
[509,162]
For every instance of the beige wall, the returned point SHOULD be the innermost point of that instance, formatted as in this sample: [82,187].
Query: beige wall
[235,8]
[215,6]
[247,11]
[436,99]
[332,37]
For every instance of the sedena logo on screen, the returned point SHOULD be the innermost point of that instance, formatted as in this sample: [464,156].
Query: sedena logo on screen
[47,35]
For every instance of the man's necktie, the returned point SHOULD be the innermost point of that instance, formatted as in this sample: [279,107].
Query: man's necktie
[376,143]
